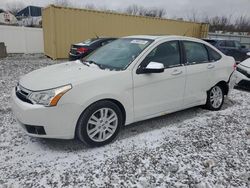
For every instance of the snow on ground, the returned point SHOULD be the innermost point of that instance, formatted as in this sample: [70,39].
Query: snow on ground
[191,148]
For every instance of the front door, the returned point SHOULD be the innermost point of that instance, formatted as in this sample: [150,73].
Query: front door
[156,93]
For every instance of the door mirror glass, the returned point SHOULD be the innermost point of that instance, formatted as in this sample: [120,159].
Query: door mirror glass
[152,67]
[243,47]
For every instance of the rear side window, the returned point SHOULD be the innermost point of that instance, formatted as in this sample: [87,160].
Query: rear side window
[195,52]
[213,55]
[230,44]
[227,44]
[223,44]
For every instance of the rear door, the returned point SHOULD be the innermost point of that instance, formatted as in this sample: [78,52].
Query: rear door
[199,71]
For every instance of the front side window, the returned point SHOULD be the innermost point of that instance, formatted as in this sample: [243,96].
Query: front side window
[118,54]
[195,52]
[167,53]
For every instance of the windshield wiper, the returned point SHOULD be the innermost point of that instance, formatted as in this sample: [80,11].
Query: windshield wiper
[85,63]
[93,62]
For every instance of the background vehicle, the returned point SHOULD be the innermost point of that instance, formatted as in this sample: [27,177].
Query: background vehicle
[243,74]
[231,48]
[82,49]
[128,80]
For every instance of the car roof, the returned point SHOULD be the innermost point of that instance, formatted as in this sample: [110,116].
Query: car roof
[219,39]
[161,37]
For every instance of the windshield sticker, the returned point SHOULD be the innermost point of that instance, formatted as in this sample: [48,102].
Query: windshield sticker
[139,42]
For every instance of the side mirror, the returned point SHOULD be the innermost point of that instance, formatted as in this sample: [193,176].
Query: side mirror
[152,67]
[248,53]
[243,47]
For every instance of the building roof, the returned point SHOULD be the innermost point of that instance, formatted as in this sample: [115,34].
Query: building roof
[32,11]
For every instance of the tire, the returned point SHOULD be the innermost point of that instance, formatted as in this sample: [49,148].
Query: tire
[99,124]
[215,98]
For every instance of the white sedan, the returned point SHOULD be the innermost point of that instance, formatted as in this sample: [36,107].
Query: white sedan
[242,74]
[131,79]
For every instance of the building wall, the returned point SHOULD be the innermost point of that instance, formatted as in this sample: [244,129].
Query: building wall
[65,26]
[22,39]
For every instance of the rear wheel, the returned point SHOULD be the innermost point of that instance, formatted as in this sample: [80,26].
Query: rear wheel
[99,124]
[215,98]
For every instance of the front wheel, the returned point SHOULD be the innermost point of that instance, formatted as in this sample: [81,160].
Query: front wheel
[215,98]
[99,124]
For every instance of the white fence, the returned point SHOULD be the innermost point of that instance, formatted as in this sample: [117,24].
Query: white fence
[243,39]
[22,39]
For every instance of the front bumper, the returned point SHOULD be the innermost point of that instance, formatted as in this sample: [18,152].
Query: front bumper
[58,122]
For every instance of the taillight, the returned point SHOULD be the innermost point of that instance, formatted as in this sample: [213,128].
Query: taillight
[234,66]
[82,50]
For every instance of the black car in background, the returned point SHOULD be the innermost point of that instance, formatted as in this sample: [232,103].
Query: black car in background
[82,49]
[231,48]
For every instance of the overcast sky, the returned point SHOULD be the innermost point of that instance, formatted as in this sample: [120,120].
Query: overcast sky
[174,8]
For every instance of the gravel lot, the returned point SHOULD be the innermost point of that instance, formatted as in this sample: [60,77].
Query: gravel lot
[191,148]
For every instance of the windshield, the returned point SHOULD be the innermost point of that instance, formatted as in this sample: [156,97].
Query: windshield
[119,53]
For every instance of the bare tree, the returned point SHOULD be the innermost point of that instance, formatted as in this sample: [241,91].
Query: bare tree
[90,7]
[14,7]
[132,9]
[139,10]
[193,17]
[62,3]
[242,24]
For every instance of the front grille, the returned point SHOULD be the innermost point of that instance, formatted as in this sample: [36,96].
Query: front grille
[35,129]
[23,94]
[244,72]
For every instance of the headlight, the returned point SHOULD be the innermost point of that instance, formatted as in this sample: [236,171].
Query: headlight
[49,97]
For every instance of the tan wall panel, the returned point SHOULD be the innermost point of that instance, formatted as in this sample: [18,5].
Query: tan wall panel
[65,26]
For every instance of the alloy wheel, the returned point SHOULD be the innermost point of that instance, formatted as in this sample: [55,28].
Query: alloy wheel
[102,124]
[216,97]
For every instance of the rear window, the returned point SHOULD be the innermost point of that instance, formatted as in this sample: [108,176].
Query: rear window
[89,41]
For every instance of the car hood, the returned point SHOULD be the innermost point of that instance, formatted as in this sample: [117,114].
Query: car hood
[246,63]
[61,74]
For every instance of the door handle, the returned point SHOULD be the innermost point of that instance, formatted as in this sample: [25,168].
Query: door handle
[210,66]
[176,72]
